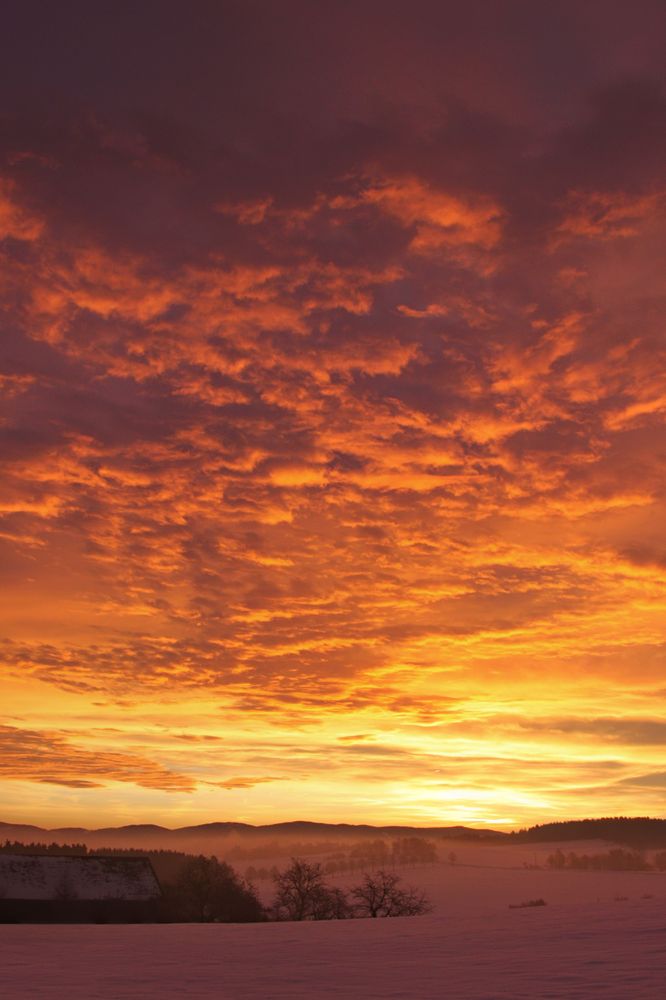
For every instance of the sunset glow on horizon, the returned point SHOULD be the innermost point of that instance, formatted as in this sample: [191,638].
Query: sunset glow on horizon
[333,382]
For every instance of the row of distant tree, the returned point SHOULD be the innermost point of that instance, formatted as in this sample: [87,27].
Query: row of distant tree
[617,860]
[352,857]
[365,854]
[17,847]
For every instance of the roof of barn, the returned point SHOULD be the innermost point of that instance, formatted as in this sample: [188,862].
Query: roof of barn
[32,876]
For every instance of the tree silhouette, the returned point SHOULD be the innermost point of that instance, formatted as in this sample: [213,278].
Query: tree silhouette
[332,903]
[381,895]
[301,892]
[207,889]
[413,851]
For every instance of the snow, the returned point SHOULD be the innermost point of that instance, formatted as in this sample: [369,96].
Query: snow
[27,876]
[588,942]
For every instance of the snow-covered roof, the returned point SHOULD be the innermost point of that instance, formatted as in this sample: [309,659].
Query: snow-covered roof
[31,876]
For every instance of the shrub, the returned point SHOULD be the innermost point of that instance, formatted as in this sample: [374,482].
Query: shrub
[209,890]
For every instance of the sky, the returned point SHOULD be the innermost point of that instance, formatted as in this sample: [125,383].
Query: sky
[333,390]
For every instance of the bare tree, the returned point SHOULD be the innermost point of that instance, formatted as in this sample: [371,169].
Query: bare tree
[381,895]
[301,892]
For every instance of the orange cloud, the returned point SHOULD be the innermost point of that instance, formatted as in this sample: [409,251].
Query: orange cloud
[316,432]
[234,783]
[607,215]
[15,220]
[50,758]
[438,218]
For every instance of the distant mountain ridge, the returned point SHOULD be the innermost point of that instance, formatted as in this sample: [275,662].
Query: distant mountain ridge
[639,832]
[142,832]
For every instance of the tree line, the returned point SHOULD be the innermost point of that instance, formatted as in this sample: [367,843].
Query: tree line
[17,847]
[378,854]
[617,860]
[634,831]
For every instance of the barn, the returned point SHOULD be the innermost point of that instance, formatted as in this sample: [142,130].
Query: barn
[71,889]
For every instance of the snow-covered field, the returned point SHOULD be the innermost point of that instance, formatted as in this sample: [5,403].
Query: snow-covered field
[602,934]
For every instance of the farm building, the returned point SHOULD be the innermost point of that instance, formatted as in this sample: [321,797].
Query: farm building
[69,889]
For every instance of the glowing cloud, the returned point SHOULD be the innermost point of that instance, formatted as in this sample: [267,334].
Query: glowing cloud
[333,417]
